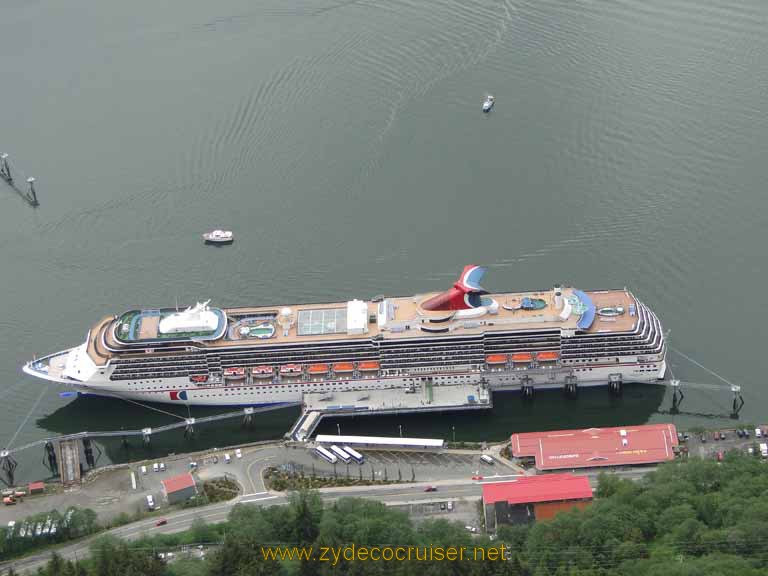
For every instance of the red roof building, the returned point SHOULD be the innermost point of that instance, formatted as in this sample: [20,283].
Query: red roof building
[179,488]
[595,447]
[530,498]
[36,487]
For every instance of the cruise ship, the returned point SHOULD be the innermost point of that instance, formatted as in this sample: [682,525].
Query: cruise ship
[557,338]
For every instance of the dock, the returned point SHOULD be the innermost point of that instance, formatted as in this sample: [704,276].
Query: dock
[417,399]
[69,462]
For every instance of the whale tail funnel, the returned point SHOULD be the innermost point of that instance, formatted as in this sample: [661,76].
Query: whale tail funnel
[463,295]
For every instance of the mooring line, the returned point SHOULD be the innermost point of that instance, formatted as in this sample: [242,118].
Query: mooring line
[715,374]
[26,419]
[11,388]
[149,407]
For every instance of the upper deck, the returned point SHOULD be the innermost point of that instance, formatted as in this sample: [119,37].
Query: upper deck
[399,318]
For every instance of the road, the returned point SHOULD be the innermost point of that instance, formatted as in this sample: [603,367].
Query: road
[181,520]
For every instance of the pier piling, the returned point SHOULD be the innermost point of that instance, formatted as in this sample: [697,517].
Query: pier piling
[5,173]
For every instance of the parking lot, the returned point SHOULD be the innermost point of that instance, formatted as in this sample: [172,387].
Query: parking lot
[709,444]
[406,465]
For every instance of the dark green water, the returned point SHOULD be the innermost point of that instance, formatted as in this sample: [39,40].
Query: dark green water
[343,142]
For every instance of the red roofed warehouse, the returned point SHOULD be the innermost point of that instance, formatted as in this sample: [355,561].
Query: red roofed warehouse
[179,488]
[568,449]
[531,498]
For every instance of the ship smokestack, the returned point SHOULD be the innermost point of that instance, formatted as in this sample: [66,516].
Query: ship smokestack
[557,296]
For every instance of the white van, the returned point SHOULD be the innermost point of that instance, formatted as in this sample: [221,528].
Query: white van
[155,467]
[487,459]
[227,459]
[144,470]
[758,433]
[150,502]
[162,466]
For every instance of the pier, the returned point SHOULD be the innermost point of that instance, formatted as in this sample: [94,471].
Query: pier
[8,174]
[417,399]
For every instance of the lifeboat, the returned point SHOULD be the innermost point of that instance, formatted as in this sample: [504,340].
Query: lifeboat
[290,369]
[341,367]
[522,357]
[370,366]
[318,369]
[549,356]
[496,359]
[234,372]
[199,378]
[261,371]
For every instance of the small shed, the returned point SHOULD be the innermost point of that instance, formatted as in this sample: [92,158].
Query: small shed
[36,488]
[179,488]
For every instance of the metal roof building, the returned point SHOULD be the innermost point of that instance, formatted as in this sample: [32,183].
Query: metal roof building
[531,498]
[595,447]
[179,488]
[380,441]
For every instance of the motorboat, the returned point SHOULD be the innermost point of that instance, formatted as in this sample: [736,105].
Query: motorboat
[219,237]
[488,103]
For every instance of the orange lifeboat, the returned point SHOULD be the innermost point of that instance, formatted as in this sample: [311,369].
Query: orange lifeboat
[522,357]
[343,367]
[318,369]
[261,371]
[548,356]
[496,359]
[370,366]
[290,369]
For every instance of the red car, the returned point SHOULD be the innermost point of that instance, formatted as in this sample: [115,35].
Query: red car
[430,489]
[476,477]
[161,522]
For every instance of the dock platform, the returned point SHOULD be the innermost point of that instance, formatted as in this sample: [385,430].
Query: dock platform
[69,462]
[388,401]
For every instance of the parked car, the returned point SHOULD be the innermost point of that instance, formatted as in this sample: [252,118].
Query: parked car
[703,438]
[487,459]
[161,522]
[739,432]
[238,453]
[720,456]
[758,433]
[143,469]
[471,529]
[155,467]
[162,466]
[722,435]
[227,458]
[477,477]
[150,502]
[430,489]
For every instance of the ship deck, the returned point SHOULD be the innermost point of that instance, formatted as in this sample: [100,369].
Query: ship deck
[409,315]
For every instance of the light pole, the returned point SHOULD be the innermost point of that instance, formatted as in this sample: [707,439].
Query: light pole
[338,428]
[400,426]
[453,429]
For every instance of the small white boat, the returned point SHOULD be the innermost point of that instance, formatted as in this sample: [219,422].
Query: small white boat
[219,237]
[488,103]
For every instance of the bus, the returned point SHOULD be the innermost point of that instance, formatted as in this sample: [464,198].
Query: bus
[343,456]
[325,455]
[356,456]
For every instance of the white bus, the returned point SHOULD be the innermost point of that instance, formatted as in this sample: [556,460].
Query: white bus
[325,455]
[356,456]
[343,456]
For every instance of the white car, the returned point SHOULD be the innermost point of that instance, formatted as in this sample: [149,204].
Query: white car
[238,453]
[144,470]
[162,466]
[227,458]
[155,467]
